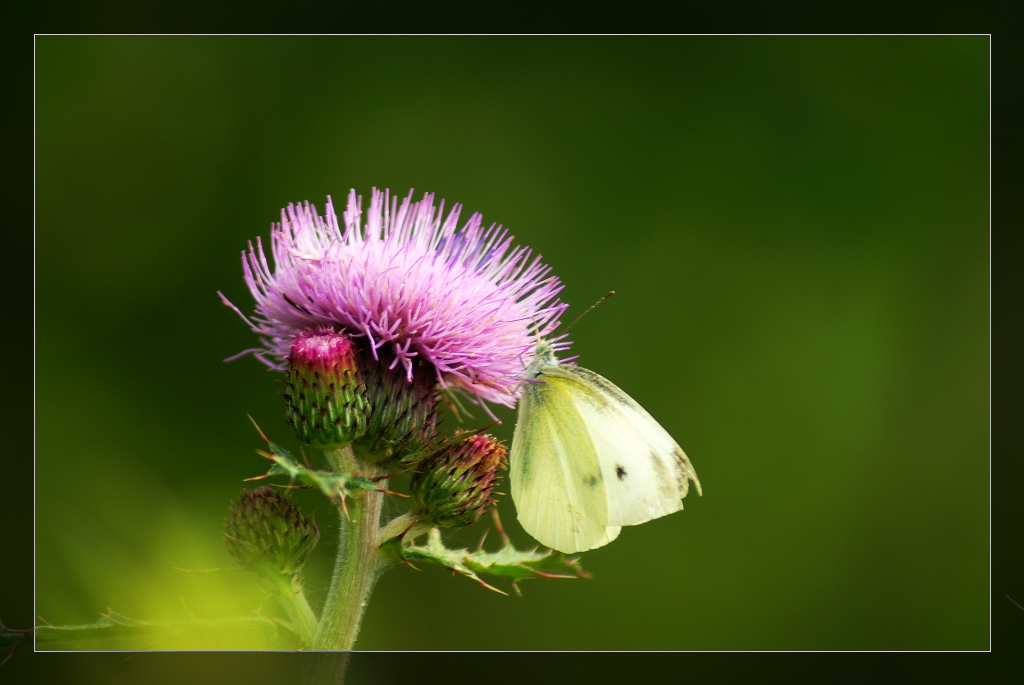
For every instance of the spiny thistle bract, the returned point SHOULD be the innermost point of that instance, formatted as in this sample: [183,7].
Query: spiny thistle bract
[403,417]
[325,403]
[267,532]
[452,487]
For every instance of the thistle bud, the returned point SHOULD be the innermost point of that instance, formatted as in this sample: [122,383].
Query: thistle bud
[325,403]
[402,421]
[452,487]
[265,531]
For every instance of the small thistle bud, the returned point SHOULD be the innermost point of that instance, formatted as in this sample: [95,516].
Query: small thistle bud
[325,403]
[403,417]
[265,531]
[453,486]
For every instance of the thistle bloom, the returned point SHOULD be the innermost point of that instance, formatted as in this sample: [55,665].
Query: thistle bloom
[462,300]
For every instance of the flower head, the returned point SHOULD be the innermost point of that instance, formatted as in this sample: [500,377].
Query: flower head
[265,531]
[453,486]
[325,403]
[462,301]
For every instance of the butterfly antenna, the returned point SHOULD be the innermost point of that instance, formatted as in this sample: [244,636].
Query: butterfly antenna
[591,307]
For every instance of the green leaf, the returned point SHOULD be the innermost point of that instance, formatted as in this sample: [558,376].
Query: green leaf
[336,486]
[113,625]
[507,562]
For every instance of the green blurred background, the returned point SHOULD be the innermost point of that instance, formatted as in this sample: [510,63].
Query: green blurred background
[797,230]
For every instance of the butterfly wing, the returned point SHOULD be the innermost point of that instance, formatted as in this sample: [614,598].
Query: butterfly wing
[557,479]
[645,473]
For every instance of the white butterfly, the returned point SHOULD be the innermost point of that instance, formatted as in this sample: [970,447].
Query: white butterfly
[587,459]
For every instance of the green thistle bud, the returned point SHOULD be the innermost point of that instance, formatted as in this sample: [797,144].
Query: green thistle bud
[325,403]
[403,413]
[265,531]
[452,487]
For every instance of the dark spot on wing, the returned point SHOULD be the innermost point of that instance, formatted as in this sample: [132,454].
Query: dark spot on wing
[592,481]
[620,472]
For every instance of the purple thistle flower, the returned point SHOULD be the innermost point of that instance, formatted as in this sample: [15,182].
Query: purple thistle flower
[463,300]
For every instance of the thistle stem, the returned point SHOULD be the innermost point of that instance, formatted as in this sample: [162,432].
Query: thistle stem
[293,598]
[358,563]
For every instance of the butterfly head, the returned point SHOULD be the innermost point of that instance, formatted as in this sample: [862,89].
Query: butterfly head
[543,355]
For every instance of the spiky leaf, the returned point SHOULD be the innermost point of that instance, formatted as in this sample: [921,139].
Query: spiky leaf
[336,486]
[507,562]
